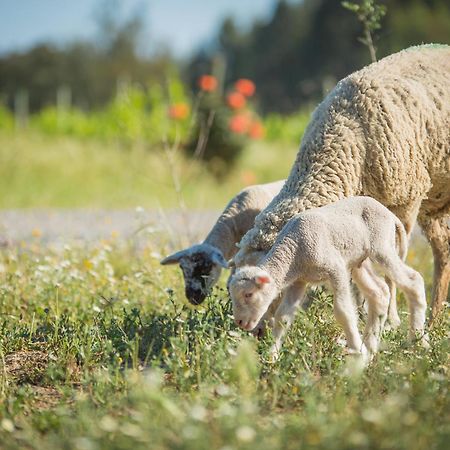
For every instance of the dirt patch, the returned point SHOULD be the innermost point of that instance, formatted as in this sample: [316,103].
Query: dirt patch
[46,397]
[27,366]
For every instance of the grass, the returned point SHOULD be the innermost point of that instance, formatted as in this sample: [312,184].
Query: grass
[99,350]
[42,171]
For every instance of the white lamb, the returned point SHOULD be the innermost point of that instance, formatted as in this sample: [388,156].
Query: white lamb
[202,263]
[332,244]
[383,131]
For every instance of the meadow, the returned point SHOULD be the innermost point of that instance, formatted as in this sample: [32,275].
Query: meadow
[99,348]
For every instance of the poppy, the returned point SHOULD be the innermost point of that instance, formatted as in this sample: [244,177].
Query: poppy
[245,87]
[179,111]
[239,123]
[236,100]
[207,83]
[256,130]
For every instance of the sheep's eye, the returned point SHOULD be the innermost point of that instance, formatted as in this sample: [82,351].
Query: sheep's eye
[248,295]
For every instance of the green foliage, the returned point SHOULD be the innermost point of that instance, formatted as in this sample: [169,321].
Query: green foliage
[288,128]
[211,139]
[134,115]
[40,170]
[98,349]
[369,13]
[6,119]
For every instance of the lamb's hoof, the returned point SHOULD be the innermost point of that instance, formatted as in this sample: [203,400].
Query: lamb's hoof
[274,354]
[356,362]
[341,341]
[392,323]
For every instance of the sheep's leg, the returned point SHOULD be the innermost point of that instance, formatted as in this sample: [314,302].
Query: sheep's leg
[438,233]
[408,217]
[345,310]
[411,282]
[377,293]
[293,298]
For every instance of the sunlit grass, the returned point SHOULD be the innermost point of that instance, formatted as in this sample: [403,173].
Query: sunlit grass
[98,349]
[39,171]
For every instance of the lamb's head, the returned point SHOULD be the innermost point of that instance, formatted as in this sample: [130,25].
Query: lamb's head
[252,290]
[201,265]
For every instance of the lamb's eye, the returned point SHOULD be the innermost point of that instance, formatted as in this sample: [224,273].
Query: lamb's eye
[248,295]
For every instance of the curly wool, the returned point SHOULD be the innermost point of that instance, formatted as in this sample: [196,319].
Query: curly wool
[383,131]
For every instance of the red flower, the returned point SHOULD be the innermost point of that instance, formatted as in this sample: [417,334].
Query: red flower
[239,123]
[236,100]
[248,177]
[245,87]
[207,83]
[256,130]
[179,111]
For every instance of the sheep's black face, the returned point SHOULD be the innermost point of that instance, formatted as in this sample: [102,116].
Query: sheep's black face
[201,265]
[199,276]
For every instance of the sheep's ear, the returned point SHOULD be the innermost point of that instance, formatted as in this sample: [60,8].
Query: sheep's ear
[174,258]
[262,279]
[217,258]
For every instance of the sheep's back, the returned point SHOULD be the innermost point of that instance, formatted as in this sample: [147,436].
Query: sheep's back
[382,131]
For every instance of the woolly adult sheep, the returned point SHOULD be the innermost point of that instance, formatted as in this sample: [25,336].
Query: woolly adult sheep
[383,131]
[330,245]
[202,263]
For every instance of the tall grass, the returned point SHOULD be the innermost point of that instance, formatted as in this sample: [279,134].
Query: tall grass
[43,171]
[99,350]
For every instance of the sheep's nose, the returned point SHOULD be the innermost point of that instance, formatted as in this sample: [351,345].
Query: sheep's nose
[195,296]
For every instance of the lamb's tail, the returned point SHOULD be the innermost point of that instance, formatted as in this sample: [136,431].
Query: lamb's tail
[402,239]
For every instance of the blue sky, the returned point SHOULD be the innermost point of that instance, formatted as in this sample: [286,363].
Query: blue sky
[182,25]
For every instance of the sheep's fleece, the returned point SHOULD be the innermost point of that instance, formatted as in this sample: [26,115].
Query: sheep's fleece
[383,131]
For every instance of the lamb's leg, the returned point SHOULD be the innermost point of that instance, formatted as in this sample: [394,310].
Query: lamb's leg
[345,310]
[285,313]
[393,317]
[411,282]
[376,291]
[437,232]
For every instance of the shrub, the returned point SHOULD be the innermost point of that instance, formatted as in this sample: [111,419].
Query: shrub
[223,124]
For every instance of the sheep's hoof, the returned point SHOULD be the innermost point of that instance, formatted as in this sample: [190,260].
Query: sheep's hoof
[421,338]
[392,323]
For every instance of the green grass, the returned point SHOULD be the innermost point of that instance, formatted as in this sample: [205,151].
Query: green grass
[99,350]
[42,171]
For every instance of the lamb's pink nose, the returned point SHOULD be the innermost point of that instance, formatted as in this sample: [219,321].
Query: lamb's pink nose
[245,324]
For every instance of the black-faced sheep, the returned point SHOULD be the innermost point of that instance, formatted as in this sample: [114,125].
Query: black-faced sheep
[202,263]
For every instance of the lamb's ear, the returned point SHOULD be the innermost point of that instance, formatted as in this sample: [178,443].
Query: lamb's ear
[262,279]
[174,258]
[217,258]
[231,264]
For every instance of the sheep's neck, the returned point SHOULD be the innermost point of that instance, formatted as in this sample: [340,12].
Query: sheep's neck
[223,237]
[232,224]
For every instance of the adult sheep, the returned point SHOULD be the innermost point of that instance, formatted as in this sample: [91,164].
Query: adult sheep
[202,263]
[384,132]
